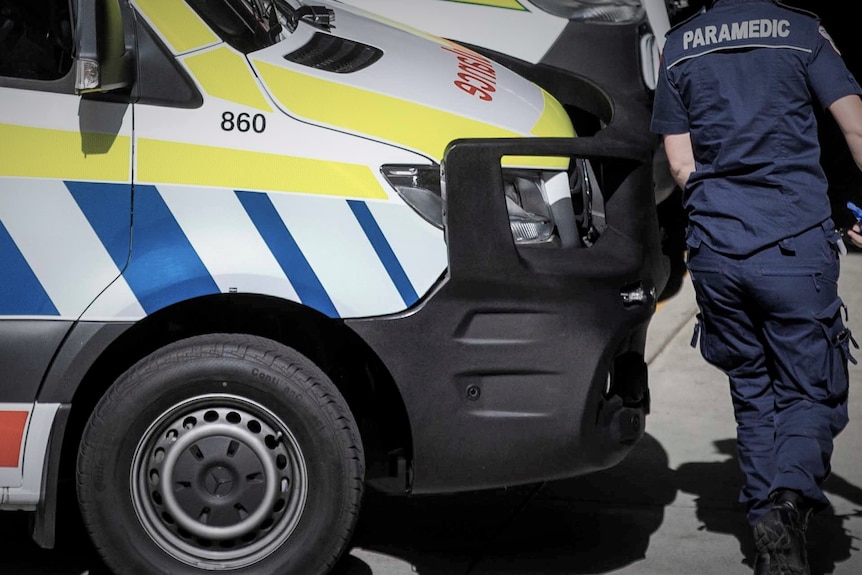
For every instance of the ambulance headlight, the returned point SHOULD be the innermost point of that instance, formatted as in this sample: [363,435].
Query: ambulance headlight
[419,186]
[616,11]
[529,213]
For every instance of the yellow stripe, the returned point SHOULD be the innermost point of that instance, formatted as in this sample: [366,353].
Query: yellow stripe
[115,44]
[191,164]
[554,121]
[510,4]
[224,73]
[419,127]
[41,153]
[178,24]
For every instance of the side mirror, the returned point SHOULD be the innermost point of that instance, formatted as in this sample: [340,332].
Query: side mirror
[104,46]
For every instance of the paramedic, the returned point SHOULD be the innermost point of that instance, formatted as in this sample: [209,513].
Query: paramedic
[735,104]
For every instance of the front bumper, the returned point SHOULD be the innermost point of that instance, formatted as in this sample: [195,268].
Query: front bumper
[503,369]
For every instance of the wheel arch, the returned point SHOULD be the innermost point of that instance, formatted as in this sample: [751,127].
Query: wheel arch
[101,354]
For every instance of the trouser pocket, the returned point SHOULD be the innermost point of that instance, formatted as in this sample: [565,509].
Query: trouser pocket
[840,339]
[713,350]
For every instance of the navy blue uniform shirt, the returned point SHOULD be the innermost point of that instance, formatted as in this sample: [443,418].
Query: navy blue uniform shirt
[742,78]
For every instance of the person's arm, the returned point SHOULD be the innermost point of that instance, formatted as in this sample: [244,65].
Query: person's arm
[847,112]
[680,156]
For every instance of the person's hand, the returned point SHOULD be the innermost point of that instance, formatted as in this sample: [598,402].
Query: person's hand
[855,235]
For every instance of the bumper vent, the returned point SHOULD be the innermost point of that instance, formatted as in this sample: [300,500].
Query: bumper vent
[334,54]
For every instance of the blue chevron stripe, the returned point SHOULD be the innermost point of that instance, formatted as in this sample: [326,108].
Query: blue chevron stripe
[286,251]
[384,251]
[164,267]
[21,293]
[108,209]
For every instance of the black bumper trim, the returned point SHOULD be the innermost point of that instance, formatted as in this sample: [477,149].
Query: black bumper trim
[502,368]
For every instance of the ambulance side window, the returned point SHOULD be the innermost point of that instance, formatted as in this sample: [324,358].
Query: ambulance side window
[36,39]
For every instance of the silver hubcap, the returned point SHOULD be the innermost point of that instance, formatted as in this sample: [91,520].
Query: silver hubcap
[219,482]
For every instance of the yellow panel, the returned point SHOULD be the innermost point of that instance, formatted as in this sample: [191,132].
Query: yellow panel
[42,153]
[161,162]
[402,122]
[554,121]
[178,24]
[224,73]
[510,4]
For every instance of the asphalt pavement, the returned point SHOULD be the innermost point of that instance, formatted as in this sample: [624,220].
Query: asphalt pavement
[669,508]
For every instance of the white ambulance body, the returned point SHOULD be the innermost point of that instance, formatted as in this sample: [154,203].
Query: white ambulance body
[573,49]
[255,255]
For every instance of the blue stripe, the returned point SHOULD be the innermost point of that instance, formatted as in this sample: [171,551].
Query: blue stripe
[21,292]
[286,251]
[384,251]
[164,268]
[108,208]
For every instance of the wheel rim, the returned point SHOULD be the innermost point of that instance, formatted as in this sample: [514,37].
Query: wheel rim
[219,482]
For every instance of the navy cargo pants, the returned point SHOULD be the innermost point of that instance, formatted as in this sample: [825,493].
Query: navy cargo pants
[772,321]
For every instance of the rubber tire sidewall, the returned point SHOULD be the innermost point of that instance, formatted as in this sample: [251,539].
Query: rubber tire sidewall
[295,390]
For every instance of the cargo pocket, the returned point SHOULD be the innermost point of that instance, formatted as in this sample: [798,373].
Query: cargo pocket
[840,339]
[713,350]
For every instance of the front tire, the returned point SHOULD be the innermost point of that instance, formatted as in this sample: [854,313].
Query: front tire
[221,453]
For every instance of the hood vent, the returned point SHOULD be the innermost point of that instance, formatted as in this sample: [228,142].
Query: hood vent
[334,54]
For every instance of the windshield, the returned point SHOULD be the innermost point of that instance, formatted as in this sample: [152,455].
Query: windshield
[248,25]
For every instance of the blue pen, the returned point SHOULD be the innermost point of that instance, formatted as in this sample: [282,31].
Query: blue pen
[857,211]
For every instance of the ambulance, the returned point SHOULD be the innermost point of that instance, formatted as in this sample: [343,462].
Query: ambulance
[258,256]
[574,49]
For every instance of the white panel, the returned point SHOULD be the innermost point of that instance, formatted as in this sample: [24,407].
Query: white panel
[116,303]
[422,72]
[227,241]
[524,34]
[340,254]
[57,241]
[60,112]
[284,135]
[419,246]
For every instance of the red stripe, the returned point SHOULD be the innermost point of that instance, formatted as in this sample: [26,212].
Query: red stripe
[11,433]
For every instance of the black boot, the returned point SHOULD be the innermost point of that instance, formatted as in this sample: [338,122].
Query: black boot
[780,537]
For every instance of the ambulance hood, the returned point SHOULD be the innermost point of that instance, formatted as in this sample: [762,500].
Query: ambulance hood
[381,79]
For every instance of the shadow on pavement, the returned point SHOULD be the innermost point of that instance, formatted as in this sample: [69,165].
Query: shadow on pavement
[591,524]
[594,524]
[598,523]
[716,486]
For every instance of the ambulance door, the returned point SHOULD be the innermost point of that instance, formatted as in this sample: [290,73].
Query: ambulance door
[65,207]
[202,147]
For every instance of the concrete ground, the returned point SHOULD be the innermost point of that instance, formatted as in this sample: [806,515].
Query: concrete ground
[669,508]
